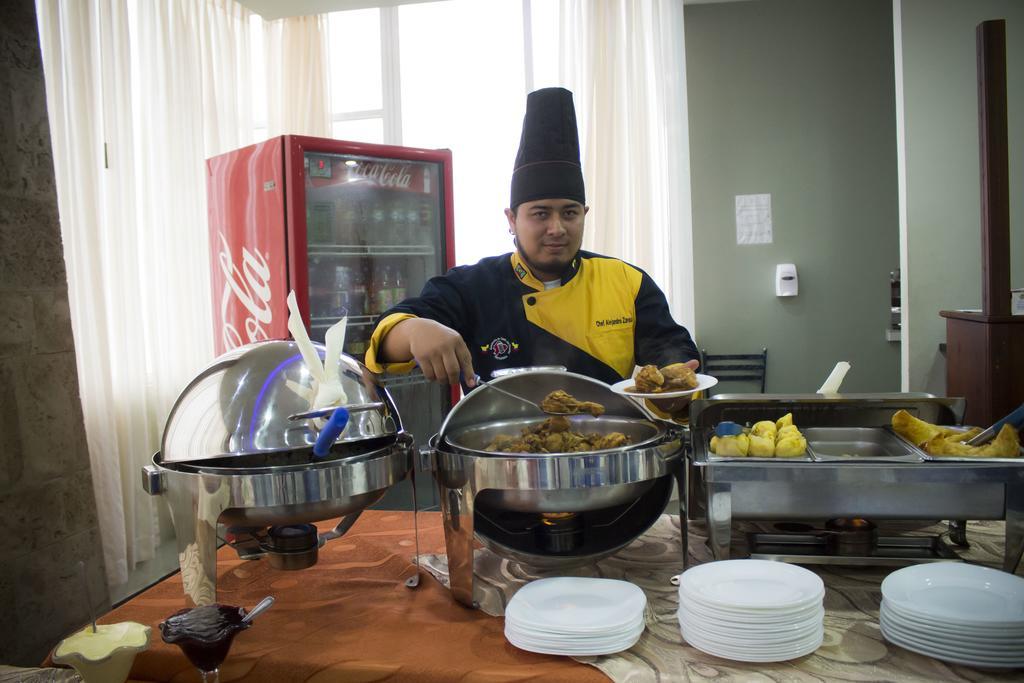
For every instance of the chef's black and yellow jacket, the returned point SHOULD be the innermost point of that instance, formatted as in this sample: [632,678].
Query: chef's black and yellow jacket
[606,317]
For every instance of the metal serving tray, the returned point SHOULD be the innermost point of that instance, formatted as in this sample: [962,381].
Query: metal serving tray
[858,444]
[957,458]
[839,444]
[806,457]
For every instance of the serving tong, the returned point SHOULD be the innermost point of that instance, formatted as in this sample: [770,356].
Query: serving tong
[517,397]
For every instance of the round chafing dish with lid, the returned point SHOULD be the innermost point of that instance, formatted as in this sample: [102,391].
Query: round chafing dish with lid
[242,403]
[548,509]
[233,454]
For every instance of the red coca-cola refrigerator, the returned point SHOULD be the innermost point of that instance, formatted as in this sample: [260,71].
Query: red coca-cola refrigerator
[351,227]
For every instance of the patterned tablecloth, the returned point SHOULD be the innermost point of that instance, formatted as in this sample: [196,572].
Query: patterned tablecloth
[853,649]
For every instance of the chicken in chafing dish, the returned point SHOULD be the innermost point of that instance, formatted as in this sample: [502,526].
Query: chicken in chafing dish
[653,380]
[555,435]
[560,402]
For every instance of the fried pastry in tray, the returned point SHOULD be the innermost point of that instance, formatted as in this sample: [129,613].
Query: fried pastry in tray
[555,435]
[945,441]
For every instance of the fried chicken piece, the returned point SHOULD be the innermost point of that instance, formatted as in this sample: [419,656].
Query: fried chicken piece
[678,377]
[559,401]
[554,435]
[649,380]
[612,440]
[557,423]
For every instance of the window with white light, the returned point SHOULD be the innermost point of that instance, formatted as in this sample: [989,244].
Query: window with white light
[442,75]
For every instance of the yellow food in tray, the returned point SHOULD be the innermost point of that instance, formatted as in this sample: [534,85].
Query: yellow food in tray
[765,439]
[940,441]
[730,445]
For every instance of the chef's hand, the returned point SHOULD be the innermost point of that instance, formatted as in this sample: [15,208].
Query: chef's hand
[676,407]
[439,350]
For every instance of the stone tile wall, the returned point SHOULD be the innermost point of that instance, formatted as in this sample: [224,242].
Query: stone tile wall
[47,509]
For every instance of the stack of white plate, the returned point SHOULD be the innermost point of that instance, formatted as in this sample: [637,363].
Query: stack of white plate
[752,610]
[575,616]
[955,612]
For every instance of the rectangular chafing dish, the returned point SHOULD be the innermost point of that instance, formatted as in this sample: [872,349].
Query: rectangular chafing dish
[863,475]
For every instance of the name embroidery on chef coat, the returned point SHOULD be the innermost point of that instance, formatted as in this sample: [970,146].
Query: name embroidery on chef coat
[614,322]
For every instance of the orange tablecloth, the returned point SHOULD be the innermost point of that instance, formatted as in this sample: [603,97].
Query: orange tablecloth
[349,618]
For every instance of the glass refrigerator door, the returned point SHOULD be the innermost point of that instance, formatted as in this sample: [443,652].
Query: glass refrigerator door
[375,235]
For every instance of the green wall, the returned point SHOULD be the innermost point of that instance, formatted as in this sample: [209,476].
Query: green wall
[943,206]
[796,98]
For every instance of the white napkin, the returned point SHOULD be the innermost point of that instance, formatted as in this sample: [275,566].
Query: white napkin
[835,378]
[326,390]
[331,392]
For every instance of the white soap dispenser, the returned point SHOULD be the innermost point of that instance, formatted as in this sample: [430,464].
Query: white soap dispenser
[785,279]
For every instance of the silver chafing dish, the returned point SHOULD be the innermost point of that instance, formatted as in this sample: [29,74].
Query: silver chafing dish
[231,454]
[550,509]
[855,468]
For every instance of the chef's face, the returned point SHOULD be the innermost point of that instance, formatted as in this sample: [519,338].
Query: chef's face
[548,233]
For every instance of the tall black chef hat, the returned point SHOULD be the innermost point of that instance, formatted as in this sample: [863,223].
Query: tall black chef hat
[548,163]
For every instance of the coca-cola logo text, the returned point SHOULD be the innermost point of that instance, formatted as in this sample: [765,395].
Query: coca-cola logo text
[384,174]
[250,284]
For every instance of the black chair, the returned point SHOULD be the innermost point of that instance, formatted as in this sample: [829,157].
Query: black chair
[735,367]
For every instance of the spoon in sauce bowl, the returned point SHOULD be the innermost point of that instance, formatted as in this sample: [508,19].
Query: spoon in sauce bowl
[262,606]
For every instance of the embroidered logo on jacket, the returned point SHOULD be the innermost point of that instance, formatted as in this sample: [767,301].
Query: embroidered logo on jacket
[500,348]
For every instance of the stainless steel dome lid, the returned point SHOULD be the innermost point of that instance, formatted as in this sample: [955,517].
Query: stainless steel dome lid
[242,402]
[483,406]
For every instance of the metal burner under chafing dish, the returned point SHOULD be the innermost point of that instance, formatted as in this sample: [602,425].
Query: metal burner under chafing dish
[843,541]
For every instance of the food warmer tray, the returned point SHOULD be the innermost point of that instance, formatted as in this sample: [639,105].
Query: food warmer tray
[846,444]
[809,490]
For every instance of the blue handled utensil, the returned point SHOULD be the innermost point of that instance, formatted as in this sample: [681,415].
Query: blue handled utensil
[728,429]
[334,427]
[1015,419]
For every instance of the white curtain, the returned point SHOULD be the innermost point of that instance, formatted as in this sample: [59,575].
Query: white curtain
[139,95]
[625,63]
[297,76]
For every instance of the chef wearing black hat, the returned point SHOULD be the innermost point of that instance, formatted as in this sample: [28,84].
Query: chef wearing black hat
[546,303]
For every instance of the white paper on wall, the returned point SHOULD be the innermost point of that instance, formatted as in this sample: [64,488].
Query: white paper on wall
[753,219]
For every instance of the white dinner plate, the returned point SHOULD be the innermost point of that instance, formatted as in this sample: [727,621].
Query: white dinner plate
[751,584]
[953,641]
[743,654]
[568,603]
[570,635]
[703,382]
[759,638]
[958,593]
[787,648]
[761,617]
[958,630]
[600,647]
[946,655]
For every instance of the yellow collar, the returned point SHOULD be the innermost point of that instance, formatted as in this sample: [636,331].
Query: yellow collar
[527,277]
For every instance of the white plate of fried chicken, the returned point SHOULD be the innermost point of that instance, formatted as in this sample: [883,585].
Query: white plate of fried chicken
[670,381]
